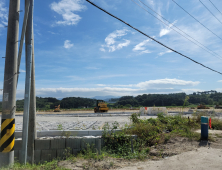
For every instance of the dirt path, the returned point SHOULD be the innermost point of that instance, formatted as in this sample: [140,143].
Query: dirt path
[198,159]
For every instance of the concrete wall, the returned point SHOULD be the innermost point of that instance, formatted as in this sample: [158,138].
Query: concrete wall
[53,133]
[49,149]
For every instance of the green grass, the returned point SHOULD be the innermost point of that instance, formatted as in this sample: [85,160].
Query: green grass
[153,131]
[53,165]
[216,124]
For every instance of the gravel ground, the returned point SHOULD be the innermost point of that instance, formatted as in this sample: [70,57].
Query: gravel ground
[66,122]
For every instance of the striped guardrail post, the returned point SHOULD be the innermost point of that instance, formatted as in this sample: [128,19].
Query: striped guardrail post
[7,140]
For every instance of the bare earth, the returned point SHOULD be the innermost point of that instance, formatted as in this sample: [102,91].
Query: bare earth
[176,109]
[177,154]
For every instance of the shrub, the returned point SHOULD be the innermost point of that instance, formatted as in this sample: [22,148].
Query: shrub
[216,124]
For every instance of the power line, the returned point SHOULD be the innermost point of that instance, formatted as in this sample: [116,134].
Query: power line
[215,6]
[208,50]
[210,11]
[197,20]
[151,37]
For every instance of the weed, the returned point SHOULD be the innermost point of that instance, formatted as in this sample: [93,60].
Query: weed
[53,165]
[66,134]
[60,127]
[111,164]
[216,124]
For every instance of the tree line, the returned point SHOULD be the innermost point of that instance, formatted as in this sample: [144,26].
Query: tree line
[175,99]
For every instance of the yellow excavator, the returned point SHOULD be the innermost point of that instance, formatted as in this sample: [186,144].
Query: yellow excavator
[200,106]
[57,109]
[101,106]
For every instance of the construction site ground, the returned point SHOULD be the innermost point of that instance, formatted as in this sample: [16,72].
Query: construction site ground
[85,120]
[177,154]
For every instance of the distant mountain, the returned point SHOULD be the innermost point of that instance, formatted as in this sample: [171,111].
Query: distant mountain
[105,98]
[59,98]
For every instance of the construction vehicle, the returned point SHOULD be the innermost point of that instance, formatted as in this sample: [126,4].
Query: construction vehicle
[217,107]
[201,106]
[57,109]
[101,106]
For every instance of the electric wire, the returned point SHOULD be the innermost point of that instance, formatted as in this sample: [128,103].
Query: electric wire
[215,7]
[151,37]
[197,20]
[205,48]
[210,11]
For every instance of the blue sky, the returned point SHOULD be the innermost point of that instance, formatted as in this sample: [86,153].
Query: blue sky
[82,52]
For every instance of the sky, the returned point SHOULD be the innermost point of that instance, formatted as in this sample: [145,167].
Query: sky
[81,51]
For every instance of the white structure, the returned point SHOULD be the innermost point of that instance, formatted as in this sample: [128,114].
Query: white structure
[143,111]
[152,110]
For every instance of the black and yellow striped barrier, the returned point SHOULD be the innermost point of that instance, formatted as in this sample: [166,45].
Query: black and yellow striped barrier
[7,140]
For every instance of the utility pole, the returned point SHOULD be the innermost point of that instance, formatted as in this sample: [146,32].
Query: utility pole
[32,110]
[9,91]
[28,52]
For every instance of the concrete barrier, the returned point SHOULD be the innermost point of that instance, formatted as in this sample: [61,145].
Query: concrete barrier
[156,110]
[49,149]
[143,111]
[69,133]
[152,110]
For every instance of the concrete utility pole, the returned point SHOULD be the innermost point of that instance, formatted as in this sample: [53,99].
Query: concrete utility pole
[28,50]
[9,91]
[32,111]
[22,37]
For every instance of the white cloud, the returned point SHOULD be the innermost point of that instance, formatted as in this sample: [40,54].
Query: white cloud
[106,57]
[68,9]
[141,45]
[97,77]
[125,44]
[92,68]
[111,42]
[52,32]
[166,83]
[3,15]
[22,71]
[152,86]
[166,30]
[102,49]
[67,44]
[101,85]
[110,39]
[220,81]
[162,53]
[161,84]
[151,2]
[145,52]
[76,78]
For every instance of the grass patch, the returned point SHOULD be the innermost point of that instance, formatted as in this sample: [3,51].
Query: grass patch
[216,124]
[53,165]
[157,131]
